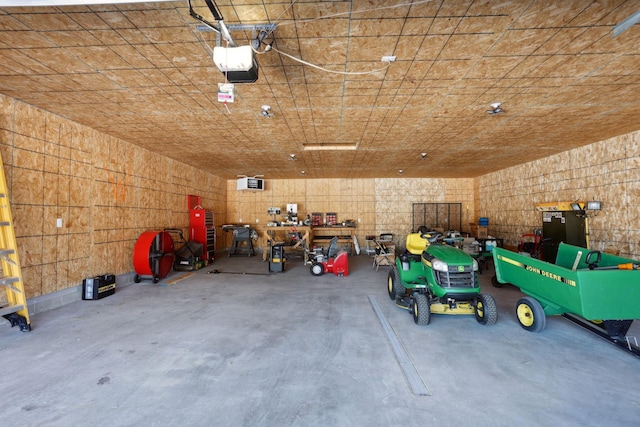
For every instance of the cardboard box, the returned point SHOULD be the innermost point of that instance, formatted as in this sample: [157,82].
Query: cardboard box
[479,231]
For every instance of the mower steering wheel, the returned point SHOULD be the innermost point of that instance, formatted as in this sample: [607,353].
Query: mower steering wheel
[593,263]
[433,237]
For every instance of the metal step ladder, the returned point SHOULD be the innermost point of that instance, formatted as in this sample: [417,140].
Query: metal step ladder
[14,307]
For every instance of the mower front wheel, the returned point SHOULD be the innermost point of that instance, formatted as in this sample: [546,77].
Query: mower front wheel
[420,309]
[486,311]
[394,284]
[530,314]
[317,269]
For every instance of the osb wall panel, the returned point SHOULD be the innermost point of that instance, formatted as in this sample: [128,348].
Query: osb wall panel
[395,199]
[608,171]
[351,199]
[106,191]
[376,205]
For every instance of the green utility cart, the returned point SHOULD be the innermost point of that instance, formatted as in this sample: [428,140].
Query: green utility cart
[601,288]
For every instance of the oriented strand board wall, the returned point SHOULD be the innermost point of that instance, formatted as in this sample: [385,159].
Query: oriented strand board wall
[352,199]
[107,191]
[376,205]
[395,198]
[608,171]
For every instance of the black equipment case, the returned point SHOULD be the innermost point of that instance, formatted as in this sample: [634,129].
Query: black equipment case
[98,287]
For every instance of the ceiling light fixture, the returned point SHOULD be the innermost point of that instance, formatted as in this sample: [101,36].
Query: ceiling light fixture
[400,171]
[329,147]
[496,108]
[266,111]
[302,172]
[292,156]
[594,205]
[423,156]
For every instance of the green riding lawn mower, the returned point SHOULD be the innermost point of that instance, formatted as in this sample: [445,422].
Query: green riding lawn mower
[434,277]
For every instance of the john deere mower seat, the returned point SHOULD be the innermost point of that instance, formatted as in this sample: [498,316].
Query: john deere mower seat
[416,243]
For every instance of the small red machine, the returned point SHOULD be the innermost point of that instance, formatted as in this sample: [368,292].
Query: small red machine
[336,262]
[530,243]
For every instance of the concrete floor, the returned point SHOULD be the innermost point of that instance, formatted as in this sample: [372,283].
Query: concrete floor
[279,349]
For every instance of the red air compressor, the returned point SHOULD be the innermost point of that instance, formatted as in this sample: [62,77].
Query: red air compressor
[332,262]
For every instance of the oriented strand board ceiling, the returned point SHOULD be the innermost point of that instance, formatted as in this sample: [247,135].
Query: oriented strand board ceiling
[143,72]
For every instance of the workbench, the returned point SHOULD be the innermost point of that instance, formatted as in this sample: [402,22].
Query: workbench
[280,234]
[321,236]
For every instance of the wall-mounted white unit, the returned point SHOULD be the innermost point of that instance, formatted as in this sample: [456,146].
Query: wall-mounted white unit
[246,183]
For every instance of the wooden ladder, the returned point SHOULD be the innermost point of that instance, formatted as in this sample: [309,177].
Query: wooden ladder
[14,307]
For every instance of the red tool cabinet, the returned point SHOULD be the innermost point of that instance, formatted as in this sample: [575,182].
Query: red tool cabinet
[202,230]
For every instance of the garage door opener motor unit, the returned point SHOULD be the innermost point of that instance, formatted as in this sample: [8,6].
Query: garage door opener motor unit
[238,64]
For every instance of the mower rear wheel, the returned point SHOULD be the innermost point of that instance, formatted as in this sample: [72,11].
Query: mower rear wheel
[317,269]
[530,314]
[486,311]
[394,284]
[420,309]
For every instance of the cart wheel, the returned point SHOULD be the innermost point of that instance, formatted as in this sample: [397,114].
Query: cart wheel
[530,314]
[486,311]
[317,269]
[136,279]
[394,284]
[156,279]
[494,282]
[420,309]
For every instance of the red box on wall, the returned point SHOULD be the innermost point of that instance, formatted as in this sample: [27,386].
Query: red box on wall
[316,218]
[331,218]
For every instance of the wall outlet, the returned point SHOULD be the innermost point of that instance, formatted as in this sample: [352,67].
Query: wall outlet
[59,222]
